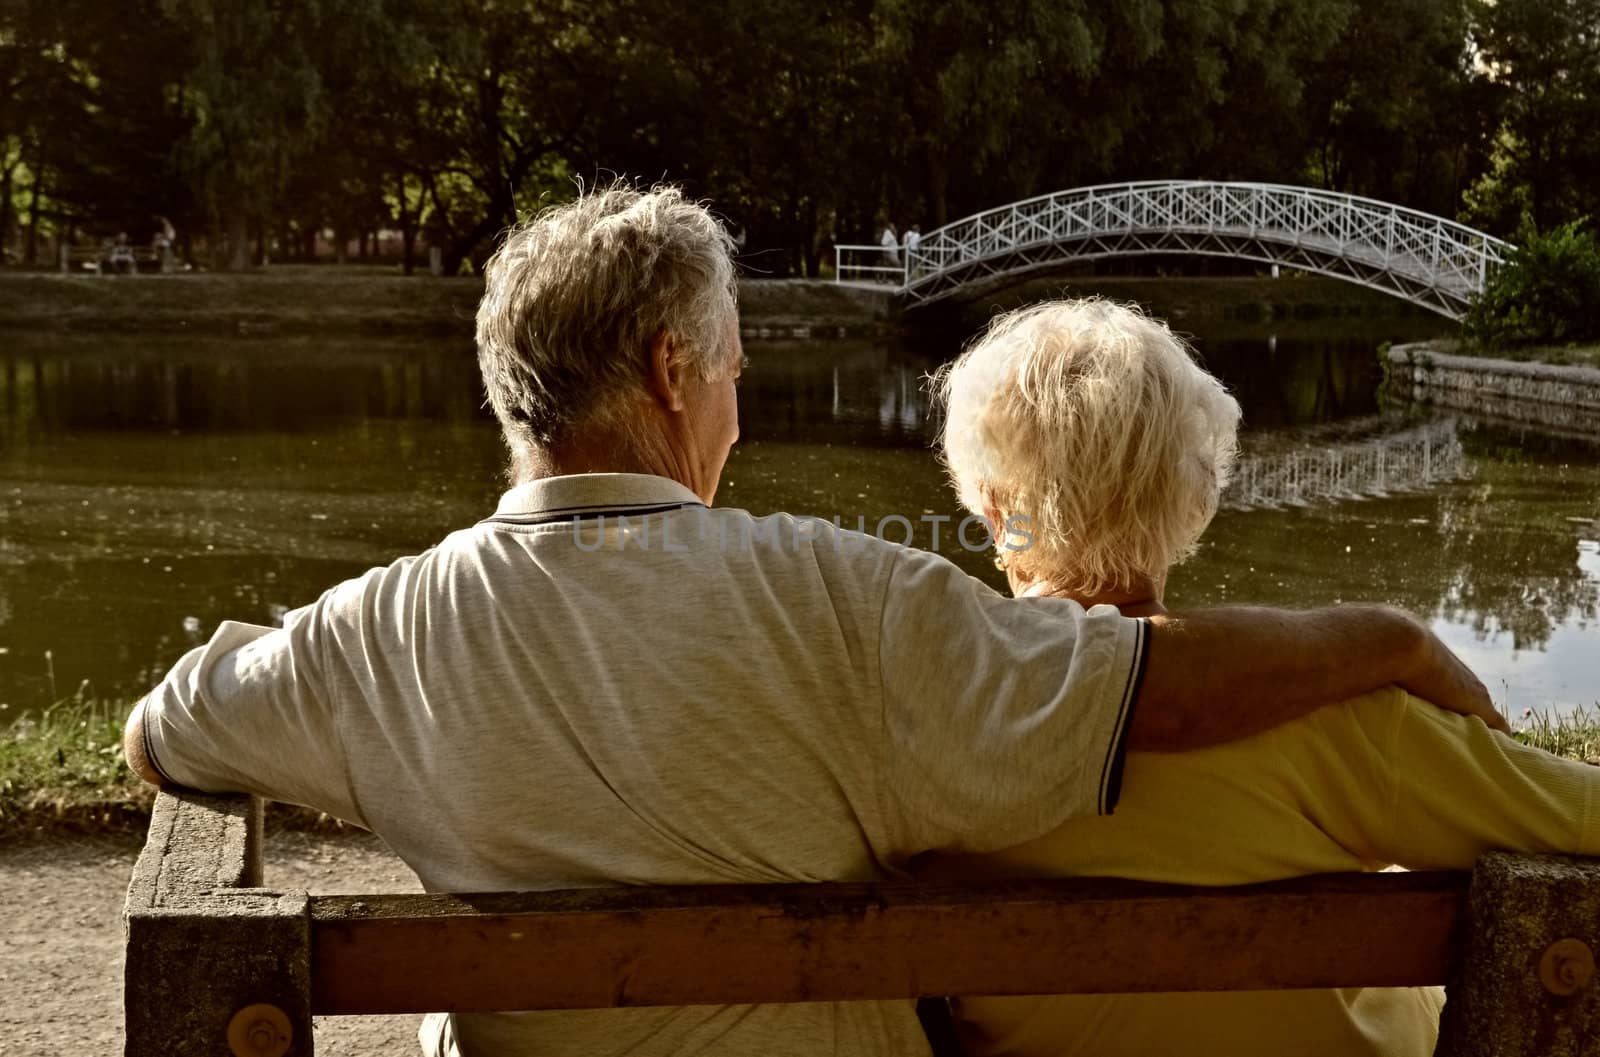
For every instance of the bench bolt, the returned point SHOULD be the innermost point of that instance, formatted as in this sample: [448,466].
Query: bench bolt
[260,1030]
[1567,967]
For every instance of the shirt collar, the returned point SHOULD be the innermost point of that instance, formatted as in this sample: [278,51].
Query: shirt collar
[594,493]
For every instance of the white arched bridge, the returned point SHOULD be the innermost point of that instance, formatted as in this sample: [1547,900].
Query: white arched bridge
[1428,260]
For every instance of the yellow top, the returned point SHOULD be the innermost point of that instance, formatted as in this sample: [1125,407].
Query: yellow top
[1382,779]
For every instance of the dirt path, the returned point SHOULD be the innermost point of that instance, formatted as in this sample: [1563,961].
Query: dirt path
[61,944]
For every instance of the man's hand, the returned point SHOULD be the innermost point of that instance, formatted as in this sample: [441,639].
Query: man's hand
[1441,678]
[1219,675]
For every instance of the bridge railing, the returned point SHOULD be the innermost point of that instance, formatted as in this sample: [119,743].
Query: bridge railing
[217,963]
[877,265]
[1437,262]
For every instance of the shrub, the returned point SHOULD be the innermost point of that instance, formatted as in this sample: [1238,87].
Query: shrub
[1548,293]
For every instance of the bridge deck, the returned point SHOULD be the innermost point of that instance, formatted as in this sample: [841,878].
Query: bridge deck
[1428,260]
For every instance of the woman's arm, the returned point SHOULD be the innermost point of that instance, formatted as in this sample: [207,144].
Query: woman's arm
[1460,790]
[1395,780]
[1217,675]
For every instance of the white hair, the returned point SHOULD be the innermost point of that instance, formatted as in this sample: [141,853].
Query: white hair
[1093,423]
[575,296]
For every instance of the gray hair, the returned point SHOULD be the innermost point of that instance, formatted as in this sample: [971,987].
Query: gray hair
[575,296]
[1093,422]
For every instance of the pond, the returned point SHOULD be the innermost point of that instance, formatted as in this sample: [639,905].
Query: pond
[151,487]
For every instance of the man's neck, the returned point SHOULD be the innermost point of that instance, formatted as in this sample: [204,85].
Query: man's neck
[611,454]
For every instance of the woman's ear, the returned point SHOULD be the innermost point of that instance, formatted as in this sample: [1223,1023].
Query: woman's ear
[991,507]
[667,375]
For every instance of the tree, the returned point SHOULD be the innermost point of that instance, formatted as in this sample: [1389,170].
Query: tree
[508,96]
[87,114]
[818,161]
[254,95]
[1542,58]
[978,83]
[1414,132]
[362,174]
[801,119]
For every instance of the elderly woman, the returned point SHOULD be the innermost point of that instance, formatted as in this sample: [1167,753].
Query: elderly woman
[1091,425]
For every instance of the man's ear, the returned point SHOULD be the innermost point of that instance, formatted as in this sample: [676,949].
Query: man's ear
[667,376]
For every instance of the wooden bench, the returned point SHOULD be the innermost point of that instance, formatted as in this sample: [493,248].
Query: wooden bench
[217,962]
[73,259]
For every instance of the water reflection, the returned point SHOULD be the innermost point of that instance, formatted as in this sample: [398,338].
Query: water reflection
[150,489]
[1291,383]
[1319,465]
[113,384]
[847,391]
[1499,559]
[871,393]
[1515,555]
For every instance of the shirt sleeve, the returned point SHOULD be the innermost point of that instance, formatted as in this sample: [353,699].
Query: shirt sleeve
[249,712]
[1456,789]
[1002,717]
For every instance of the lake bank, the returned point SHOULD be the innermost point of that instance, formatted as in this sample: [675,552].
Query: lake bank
[1562,397]
[329,301]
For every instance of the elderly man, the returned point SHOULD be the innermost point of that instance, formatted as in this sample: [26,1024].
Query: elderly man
[609,681]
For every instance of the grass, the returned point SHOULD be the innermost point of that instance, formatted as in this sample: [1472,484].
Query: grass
[1560,355]
[63,771]
[1575,735]
[1556,355]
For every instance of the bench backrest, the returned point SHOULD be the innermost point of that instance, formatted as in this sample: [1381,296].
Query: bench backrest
[1514,989]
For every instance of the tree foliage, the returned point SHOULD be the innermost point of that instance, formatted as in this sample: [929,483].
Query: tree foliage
[1547,294]
[1541,65]
[257,124]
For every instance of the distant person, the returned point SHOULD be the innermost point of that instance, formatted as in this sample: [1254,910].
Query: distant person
[611,681]
[161,244]
[1094,421]
[913,240]
[891,244]
[122,258]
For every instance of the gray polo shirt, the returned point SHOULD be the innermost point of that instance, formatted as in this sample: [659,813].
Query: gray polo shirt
[609,683]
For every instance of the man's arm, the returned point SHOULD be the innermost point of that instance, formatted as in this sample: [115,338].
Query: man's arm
[1213,676]
[246,712]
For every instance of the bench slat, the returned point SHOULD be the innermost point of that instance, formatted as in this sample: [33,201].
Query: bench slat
[601,948]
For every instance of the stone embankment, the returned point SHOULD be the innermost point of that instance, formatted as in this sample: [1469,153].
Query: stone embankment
[327,301]
[814,308]
[1550,397]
